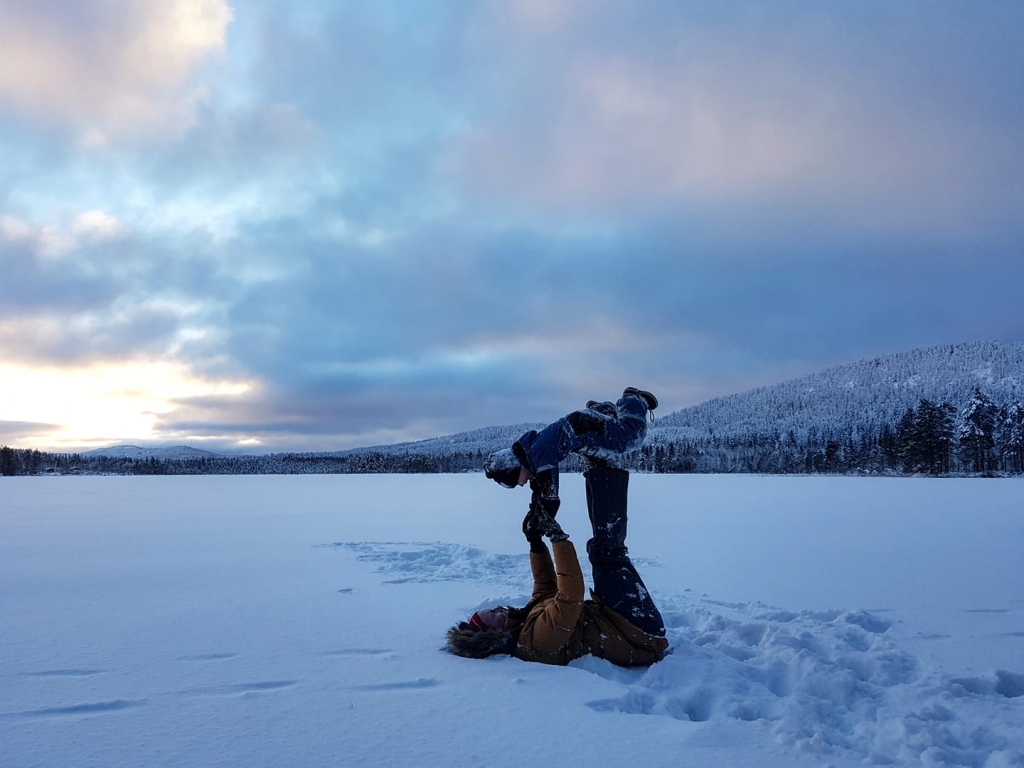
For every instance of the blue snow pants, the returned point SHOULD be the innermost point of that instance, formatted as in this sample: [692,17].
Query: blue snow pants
[616,581]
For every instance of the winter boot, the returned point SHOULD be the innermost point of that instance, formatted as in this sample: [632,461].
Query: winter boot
[605,407]
[652,401]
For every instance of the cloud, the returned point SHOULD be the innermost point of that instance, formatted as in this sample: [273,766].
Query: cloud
[43,241]
[13,432]
[54,240]
[627,135]
[880,128]
[95,225]
[105,294]
[108,69]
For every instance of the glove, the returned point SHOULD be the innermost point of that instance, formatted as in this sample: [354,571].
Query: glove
[531,528]
[584,421]
[539,523]
[550,527]
[553,530]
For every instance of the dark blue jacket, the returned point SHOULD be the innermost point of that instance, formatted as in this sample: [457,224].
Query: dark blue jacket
[606,432]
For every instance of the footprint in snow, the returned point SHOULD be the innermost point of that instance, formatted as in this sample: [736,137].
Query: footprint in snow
[820,680]
[89,708]
[421,562]
[358,652]
[1007,684]
[986,610]
[242,689]
[209,657]
[423,682]
[65,673]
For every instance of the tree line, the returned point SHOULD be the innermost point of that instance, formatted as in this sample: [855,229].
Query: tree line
[933,438]
[15,461]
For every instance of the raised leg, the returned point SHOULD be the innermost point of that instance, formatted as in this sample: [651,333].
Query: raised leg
[616,581]
[624,430]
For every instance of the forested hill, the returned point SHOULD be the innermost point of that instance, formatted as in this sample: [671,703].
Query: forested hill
[859,396]
[926,410]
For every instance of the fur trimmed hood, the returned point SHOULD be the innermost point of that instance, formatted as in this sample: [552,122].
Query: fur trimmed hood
[471,643]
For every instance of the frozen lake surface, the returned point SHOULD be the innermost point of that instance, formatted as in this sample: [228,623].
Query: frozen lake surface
[298,621]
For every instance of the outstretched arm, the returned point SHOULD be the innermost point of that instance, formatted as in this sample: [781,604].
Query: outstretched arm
[544,491]
[545,582]
[536,525]
[557,585]
[563,582]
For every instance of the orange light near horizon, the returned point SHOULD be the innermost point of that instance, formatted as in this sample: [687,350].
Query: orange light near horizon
[102,403]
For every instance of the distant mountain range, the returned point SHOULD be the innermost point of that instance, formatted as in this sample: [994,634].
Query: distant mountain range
[172,453]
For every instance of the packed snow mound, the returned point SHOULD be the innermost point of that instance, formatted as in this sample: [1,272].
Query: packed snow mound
[826,682]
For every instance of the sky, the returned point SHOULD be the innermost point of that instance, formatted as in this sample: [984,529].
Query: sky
[274,226]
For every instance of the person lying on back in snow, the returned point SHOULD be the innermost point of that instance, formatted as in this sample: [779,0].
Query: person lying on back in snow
[621,623]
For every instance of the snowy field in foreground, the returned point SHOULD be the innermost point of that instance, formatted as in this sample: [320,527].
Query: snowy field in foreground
[297,621]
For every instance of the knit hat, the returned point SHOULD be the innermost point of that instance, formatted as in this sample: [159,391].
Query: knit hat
[503,467]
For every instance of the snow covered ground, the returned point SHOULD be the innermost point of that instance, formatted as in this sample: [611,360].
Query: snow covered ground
[298,621]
